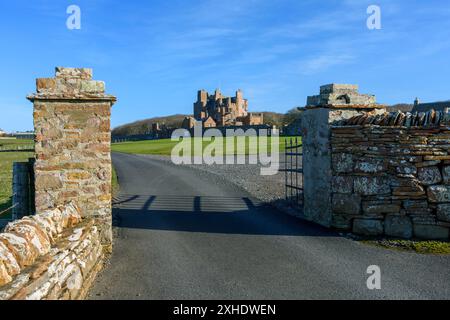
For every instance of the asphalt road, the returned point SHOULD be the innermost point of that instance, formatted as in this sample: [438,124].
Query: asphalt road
[183,234]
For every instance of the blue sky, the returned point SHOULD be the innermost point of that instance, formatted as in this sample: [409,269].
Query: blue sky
[155,55]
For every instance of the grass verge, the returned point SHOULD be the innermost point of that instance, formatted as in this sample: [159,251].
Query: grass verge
[165,146]
[12,142]
[418,246]
[114,182]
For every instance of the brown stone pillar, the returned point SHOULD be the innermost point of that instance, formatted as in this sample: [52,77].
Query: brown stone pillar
[73,139]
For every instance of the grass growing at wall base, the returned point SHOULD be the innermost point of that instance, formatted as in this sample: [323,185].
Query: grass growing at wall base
[165,146]
[114,182]
[418,246]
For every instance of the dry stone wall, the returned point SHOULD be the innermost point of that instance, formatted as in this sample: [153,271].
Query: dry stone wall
[53,255]
[73,160]
[392,179]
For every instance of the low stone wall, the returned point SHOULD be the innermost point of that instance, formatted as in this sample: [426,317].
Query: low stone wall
[52,255]
[392,180]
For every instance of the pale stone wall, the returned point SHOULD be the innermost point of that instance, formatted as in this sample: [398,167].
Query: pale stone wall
[73,160]
[52,255]
[317,175]
[340,94]
[392,179]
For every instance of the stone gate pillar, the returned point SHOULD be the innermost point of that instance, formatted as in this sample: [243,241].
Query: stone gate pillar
[336,102]
[73,138]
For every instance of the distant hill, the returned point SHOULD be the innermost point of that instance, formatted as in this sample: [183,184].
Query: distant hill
[145,126]
[404,107]
[273,118]
[270,118]
[175,121]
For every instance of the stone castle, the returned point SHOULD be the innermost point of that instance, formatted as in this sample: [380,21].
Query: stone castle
[220,111]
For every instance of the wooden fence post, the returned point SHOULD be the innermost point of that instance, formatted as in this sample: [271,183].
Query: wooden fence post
[31,162]
[21,190]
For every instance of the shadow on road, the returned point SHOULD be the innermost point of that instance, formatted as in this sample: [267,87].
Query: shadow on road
[209,214]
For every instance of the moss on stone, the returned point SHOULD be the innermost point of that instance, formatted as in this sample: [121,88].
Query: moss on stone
[422,247]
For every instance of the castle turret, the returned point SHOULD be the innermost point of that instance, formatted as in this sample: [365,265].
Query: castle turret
[239,95]
[200,105]
[202,96]
[217,94]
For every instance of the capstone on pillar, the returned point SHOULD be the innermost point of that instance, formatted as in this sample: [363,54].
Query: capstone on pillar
[73,145]
[336,102]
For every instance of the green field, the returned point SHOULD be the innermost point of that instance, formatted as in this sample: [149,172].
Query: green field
[6,165]
[11,142]
[165,146]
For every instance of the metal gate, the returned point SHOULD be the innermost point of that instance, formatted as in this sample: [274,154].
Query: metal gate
[293,172]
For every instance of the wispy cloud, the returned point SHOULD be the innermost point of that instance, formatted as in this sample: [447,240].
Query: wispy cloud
[324,62]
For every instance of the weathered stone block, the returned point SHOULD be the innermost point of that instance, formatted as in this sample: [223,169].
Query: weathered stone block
[446,175]
[78,175]
[342,162]
[368,227]
[346,204]
[407,169]
[43,84]
[431,232]
[93,86]
[443,212]
[370,166]
[429,175]
[427,164]
[342,184]
[371,208]
[79,73]
[398,226]
[342,222]
[412,191]
[439,194]
[48,181]
[415,204]
[437,158]
[371,185]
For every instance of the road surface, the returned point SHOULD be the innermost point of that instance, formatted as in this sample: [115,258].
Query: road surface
[181,234]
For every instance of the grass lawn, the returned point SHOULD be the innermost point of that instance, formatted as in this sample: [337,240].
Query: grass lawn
[11,142]
[164,146]
[6,166]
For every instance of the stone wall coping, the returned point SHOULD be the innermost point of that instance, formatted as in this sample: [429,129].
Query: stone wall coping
[24,241]
[370,126]
[67,271]
[428,119]
[64,98]
[71,84]
[347,106]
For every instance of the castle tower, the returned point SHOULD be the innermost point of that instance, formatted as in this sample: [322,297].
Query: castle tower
[202,97]
[200,105]
[241,103]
